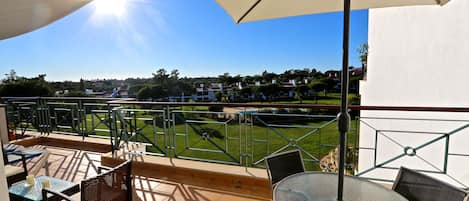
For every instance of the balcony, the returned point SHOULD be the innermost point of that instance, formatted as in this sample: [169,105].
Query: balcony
[157,178]
[215,151]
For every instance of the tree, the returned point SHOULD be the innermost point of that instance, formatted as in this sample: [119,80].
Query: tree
[248,79]
[258,78]
[246,92]
[82,85]
[363,52]
[11,77]
[152,91]
[318,85]
[323,84]
[234,94]
[144,93]
[177,87]
[270,90]
[24,87]
[171,84]
[134,89]
[160,77]
[268,77]
[225,78]
[174,74]
[221,97]
[300,92]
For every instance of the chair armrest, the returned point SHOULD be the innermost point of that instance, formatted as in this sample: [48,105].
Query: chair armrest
[101,168]
[23,159]
[59,196]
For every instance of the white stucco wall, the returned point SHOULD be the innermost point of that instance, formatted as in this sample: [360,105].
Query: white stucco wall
[3,181]
[418,56]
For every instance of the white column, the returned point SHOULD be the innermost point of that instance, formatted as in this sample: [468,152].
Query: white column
[3,125]
[3,132]
[3,181]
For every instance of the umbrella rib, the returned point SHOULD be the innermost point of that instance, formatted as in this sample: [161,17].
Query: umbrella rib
[249,11]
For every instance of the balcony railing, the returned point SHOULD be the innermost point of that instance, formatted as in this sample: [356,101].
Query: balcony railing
[243,134]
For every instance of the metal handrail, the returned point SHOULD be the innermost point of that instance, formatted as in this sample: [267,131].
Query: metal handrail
[132,101]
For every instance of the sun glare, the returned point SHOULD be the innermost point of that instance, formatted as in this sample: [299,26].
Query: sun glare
[110,7]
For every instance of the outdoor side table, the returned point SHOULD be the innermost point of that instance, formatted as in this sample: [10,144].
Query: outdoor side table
[319,186]
[19,191]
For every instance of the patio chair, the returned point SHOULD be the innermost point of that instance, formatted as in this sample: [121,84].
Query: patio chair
[283,165]
[13,154]
[14,173]
[112,185]
[416,186]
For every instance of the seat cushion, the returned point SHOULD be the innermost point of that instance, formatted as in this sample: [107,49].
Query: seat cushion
[76,196]
[11,170]
[28,152]
[10,147]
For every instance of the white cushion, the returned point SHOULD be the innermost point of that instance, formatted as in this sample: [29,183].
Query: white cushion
[11,170]
[76,196]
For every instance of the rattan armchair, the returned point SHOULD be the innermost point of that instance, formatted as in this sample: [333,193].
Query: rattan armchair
[416,186]
[112,185]
[283,165]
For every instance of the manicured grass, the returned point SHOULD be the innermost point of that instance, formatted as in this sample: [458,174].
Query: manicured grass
[329,99]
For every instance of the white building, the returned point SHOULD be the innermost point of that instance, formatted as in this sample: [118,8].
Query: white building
[418,56]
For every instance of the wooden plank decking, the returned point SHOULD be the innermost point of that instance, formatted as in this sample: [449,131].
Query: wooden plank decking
[156,178]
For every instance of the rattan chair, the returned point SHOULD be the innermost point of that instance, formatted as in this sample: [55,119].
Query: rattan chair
[283,165]
[112,185]
[416,186]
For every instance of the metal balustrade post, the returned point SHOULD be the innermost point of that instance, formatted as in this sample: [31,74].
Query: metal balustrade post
[171,138]
[38,121]
[110,123]
[80,123]
[48,119]
[249,126]
[41,117]
[241,153]
[74,126]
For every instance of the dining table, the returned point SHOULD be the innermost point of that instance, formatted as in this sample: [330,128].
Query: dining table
[322,186]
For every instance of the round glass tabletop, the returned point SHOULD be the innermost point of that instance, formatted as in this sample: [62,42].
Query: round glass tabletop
[319,186]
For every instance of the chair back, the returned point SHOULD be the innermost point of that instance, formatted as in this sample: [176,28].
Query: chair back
[113,185]
[283,165]
[416,186]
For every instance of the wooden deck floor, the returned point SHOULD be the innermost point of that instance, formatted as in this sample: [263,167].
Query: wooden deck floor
[76,165]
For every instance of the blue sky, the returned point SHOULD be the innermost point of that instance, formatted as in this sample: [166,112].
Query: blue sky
[196,37]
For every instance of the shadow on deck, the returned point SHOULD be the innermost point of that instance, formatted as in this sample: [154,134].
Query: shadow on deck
[156,178]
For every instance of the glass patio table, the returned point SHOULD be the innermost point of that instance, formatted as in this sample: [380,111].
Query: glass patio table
[319,186]
[19,191]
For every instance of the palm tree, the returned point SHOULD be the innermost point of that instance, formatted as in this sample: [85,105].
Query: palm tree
[363,51]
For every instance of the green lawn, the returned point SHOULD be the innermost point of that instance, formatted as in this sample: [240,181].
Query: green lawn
[330,99]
